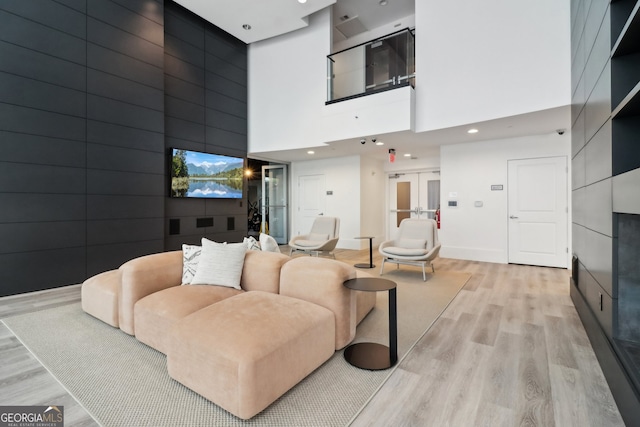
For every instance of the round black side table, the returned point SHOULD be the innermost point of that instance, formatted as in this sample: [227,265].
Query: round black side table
[370,265]
[368,355]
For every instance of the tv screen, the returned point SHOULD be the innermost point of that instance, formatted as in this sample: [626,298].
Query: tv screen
[205,175]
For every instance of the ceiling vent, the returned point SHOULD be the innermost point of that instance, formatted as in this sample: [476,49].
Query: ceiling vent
[351,27]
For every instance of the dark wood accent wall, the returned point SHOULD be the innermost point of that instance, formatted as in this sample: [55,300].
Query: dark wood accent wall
[206,110]
[84,137]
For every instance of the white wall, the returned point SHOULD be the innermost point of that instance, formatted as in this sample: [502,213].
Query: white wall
[377,114]
[373,192]
[342,177]
[469,170]
[288,87]
[288,90]
[481,60]
[374,33]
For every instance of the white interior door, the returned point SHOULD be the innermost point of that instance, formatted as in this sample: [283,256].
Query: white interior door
[311,201]
[275,202]
[538,211]
[409,197]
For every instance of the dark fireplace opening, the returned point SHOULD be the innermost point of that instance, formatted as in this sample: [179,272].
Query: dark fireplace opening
[627,321]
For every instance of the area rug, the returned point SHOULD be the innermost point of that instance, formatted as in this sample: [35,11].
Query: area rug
[123,383]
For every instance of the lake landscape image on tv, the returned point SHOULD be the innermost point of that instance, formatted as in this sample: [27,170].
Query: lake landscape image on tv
[205,175]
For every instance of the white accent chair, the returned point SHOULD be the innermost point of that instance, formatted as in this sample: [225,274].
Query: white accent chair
[417,244]
[322,239]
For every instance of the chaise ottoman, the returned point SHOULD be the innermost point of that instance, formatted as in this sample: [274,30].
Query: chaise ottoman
[99,295]
[244,352]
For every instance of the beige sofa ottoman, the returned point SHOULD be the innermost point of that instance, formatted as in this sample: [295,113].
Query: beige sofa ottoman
[244,352]
[99,295]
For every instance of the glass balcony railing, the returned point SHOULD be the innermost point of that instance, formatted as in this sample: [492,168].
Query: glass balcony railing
[381,64]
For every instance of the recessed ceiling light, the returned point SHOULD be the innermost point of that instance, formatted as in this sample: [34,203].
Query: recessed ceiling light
[379,143]
[302,1]
[472,131]
[246,27]
[408,155]
[311,152]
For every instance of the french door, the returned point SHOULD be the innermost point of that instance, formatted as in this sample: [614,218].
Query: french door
[412,195]
[275,202]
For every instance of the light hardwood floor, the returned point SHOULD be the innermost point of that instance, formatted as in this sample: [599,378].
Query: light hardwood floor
[510,350]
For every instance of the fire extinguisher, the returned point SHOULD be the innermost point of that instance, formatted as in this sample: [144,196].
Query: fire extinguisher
[438,217]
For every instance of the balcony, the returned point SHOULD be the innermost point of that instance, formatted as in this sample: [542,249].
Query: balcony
[372,67]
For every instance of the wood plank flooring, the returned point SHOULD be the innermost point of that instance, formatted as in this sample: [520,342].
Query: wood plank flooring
[510,350]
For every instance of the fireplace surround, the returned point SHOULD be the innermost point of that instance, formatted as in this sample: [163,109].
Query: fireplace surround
[626,318]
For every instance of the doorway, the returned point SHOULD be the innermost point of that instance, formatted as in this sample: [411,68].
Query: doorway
[412,195]
[275,202]
[311,201]
[538,211]
[388,61]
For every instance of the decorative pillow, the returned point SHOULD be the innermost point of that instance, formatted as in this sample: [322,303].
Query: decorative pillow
[252,243]
[220,264]
[268,243]
[412,243]
[190,257]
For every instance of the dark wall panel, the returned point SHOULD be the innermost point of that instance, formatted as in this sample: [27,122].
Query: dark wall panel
[125,112]
[120,89]
[125,66]
[26,237]
[25,120]
[35,178]
[105,35]
[92,95]
[43,127]
[184,90]
[82,125]
[101,182]
[38,207]
[596,77]
[54,268]
[121,136]
[33,35]
[41,67]
[126,160]
[100,207]
[205,110]
[36,149]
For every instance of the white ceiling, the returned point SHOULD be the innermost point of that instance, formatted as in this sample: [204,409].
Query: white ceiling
[270,18]
[427,144]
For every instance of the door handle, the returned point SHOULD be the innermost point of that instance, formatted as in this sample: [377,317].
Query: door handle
[513,217]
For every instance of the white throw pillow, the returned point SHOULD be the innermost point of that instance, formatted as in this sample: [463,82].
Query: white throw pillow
[268,243]
[316,237]
[252,243]
[412,243]
[190,257]
[220,264]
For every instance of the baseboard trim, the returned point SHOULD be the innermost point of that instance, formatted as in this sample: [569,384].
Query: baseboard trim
[625,394]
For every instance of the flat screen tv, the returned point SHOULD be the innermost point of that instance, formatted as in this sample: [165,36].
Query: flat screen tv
[205,175]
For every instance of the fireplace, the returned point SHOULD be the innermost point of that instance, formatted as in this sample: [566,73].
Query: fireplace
[627,275]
